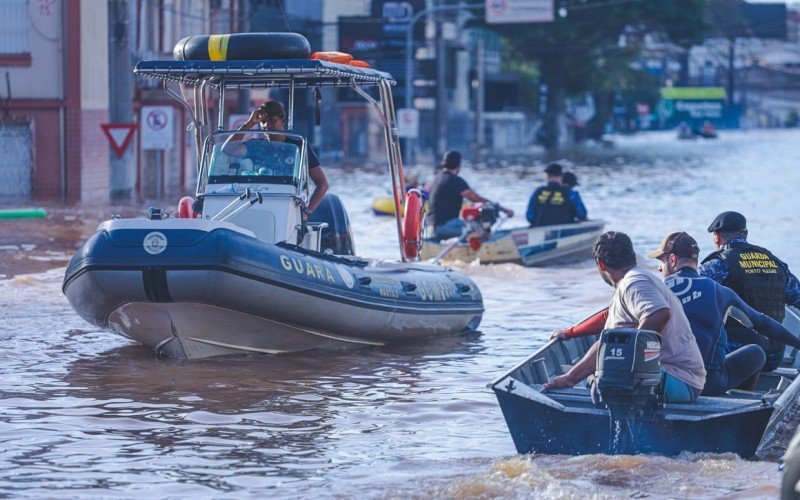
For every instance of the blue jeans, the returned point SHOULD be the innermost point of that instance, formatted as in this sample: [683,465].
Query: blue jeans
[450,229]
[676,390]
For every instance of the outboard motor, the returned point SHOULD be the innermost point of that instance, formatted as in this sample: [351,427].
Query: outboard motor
[481,217]
[628,374]
[337,237]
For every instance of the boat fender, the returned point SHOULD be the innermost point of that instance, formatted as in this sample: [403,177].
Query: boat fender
[186,208]
[242,47]
[412,234]
[332,56]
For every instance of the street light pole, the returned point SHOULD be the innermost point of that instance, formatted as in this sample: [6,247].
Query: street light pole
[409,87]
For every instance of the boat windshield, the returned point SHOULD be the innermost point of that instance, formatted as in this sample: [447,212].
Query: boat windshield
[254,157]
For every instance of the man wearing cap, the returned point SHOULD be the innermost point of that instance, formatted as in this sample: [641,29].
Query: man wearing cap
[641,300]
[448,191]
[551,204]
[570,180]
[708,304]
[762,280]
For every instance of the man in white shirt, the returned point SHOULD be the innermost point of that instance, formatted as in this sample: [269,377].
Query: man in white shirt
[641,300]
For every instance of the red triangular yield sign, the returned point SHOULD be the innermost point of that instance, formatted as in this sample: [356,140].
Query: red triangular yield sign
[119,135]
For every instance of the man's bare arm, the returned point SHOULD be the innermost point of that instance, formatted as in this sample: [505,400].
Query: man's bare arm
[320,187]
[476,198]
[656,321]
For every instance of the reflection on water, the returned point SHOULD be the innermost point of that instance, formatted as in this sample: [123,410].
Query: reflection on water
[93,414]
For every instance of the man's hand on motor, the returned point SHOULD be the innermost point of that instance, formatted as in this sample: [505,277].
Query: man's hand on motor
[507,211]
[559,333]
[559,382]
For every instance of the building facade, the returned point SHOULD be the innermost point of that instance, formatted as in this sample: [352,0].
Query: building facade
[54,64]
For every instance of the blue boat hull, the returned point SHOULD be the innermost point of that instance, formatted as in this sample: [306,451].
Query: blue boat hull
[214,290]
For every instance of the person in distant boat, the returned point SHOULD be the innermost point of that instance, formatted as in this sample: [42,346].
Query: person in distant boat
[707,304]
[551,204]
[447,193]
[762,280]
[707,130]
[570,180]
[641,300]
[271,116]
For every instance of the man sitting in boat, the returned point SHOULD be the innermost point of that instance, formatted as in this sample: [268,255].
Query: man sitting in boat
[641,300]
[707,304]
[447,194]
[570,180]
[551,204]
[761,279]
[272,116]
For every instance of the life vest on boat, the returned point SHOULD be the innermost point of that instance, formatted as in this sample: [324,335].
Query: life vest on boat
[553,205]
[242,47]
[757,276]
[699,299]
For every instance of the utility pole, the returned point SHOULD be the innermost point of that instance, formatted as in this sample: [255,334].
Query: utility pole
[731,67]
[480,97]
[120,95]
[441,91]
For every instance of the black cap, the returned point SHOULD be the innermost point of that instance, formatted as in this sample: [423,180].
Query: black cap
[569,179]
[451,159]
[679,243]
[553,169]
[728,222]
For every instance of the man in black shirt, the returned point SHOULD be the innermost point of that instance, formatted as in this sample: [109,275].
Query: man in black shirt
[272,116]
[551,204]
[448,191]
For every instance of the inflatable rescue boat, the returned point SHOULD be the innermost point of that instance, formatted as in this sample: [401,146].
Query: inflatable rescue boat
[238,269]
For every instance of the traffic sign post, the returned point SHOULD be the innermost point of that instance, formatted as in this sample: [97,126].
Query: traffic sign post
[157,127]
[408,123]
[119,135]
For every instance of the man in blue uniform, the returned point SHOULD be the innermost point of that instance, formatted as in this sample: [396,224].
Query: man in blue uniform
[551,204]
[762,280]
[570,180]
[707,304]
[448,191]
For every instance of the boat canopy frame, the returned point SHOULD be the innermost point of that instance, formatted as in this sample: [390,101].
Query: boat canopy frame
[290,74]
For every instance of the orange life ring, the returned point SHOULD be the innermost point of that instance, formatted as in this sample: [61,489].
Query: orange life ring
[185,208]
[412,224]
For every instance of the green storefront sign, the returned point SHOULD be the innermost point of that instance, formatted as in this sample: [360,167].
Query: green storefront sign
[691,104]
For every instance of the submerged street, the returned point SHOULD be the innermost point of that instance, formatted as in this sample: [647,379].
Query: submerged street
[84,409]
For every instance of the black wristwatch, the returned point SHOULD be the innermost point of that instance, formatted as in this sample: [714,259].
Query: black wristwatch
[305,210]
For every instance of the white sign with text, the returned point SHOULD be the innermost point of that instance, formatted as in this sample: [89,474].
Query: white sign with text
[519,11]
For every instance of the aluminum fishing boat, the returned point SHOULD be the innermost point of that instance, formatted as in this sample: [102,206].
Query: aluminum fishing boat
[566,421]
[528,246]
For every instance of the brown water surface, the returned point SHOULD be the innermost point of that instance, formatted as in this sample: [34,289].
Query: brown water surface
[84,413]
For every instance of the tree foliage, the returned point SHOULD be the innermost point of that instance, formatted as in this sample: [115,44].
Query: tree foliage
[584,52]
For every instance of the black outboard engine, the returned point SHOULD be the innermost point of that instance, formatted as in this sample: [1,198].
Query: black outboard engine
[628,374]
[487,215]
[337,237]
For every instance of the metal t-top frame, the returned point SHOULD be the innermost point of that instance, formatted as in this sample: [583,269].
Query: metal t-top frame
[291,74]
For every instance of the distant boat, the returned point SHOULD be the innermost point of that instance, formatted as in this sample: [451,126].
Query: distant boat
[528,246]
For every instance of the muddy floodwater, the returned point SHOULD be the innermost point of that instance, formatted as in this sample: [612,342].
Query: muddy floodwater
[84,413]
